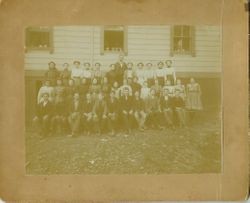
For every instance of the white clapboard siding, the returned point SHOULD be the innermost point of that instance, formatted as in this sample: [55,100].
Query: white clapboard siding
[145,44]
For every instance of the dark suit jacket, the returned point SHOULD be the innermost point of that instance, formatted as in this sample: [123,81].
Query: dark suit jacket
[42,110]
[126,104]
[120,68]
[72,108]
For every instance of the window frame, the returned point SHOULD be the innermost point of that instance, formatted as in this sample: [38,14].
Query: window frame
[49,30]
[125,40]
[192,51]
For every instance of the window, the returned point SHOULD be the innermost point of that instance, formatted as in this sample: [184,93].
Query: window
[114,39]
[182,40]
[39,38]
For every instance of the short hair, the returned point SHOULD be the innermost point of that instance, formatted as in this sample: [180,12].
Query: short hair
[160,62]
[65,64]
[168,61]
[97,64]
[149,64]
[76,62]
[140,64]
[51,62]
[130,63]
[87,63]
[112,64]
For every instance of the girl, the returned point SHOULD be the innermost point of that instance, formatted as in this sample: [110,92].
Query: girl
[87,73]
[160,73]
[140,73]
[149,74]
[76,73]
[97,73]
[193,98]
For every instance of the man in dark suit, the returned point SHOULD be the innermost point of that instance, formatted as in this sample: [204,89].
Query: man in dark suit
[44,114]
[74,118]
[100,113]
[126,104]
[120,68]
[112,112]
[87,114]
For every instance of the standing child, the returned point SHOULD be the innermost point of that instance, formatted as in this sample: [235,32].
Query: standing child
[97,73]
[129,73]
[52,74]
[76,72]
[65,74]
[160,73]
[170,72]
[149,74]
[193,98]
[140,73]
[87,73]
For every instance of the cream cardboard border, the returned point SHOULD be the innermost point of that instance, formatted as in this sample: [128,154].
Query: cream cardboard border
[232,184]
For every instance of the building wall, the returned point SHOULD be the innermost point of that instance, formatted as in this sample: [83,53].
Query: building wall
[145,44]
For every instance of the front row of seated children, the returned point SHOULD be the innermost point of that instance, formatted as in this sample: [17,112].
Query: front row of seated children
[108,114]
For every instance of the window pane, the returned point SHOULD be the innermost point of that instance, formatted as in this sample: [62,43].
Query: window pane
[178,44]
[186,31]
[177,30]
[186,44]
[113,40]
[36,39]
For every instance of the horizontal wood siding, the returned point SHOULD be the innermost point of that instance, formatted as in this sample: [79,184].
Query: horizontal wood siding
[145,44]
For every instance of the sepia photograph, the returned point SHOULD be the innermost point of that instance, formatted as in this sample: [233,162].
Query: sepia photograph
[123,99]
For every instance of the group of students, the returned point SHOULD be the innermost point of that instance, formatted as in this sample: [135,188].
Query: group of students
[88,100]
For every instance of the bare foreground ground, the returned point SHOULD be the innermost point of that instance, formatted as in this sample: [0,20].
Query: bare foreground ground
[196,149]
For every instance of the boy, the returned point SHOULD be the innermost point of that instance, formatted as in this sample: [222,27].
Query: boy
[52,74]
[153,110]
[74,118]
[120,68]
[59,120]
[125,86]
[112,112]
[126,105]
[100,113]
[111,74]
[44,114]
[87,114]
[136,87]
[129,73]
[179,106]
[139,110]
[166,103]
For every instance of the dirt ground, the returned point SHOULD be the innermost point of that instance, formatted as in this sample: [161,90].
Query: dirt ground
[196,149]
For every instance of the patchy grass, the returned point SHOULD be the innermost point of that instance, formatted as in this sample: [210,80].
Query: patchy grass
[192,150]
